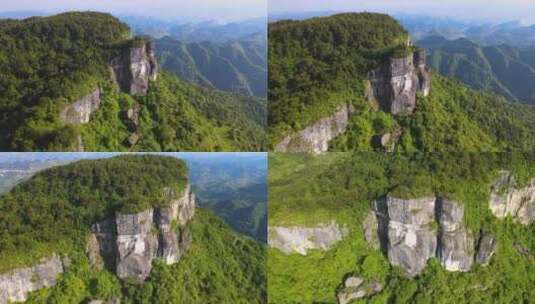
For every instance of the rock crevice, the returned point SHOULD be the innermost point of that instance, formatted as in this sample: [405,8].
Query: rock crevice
[411,231]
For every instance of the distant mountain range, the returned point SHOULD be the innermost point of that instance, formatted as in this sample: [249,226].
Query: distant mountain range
[503,69]
[236,66]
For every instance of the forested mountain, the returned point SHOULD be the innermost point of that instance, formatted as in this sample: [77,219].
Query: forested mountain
[502,69]
[237,66]
[340,83]
[77,81]
[441,238]
[75,226]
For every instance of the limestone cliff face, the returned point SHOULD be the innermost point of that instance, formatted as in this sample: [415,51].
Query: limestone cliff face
[128,243]
[394,84]
[301,239]
[16,284]
[506,200]
[406,232]
[80,111]
[134,69]
[315,138]
[411,231]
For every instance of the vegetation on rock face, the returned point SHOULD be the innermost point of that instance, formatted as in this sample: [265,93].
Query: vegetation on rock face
[51,62]
[317,64]
[306,190]
[170,119]
[54,209]
[220,266]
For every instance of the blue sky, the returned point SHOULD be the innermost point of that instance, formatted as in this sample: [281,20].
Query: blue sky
[489,10]
[194,10]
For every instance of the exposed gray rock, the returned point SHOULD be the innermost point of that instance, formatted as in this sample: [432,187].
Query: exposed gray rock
[486,246]
[92,251]
[133,139]
[16,284]
[395,83]
[130,242]
[387,141]
[406,230]
[357,290]
[315,138]
[506,200]
[137,244]
[455,245]
[301,239]
[80,111]
[134,69]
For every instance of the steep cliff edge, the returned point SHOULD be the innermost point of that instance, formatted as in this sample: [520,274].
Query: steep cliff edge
[302,239]
[80,111]
[18,283]
[135,67]
[316,137]
[395,83]
[507,200]
[130,242]
[411,231]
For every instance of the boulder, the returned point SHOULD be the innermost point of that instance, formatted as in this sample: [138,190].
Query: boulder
[18,283]
[316,137]
[80,111]
[302,239]
[358,290]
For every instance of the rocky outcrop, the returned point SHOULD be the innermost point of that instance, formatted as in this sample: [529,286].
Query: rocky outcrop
[301,239]
[315,138]
[135,68]
[128,243]
[486,246]
[411,231]
[387,141]
[16,284]
[406,231]
[356,288]
[507,200]
[80,111]
[455,249]
[395,83]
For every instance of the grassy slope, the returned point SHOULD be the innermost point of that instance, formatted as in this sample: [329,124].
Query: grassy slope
[342,186]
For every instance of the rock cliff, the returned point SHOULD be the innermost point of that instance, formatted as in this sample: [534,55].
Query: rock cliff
[411,231]
[128,243]
[300,239]
[356,288]
[15,285]
[316,137]
[507,200]
[395,83]
[80,111]
[134,68]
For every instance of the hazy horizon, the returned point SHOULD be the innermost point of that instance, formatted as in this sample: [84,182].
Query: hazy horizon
[172,10]
[488,11]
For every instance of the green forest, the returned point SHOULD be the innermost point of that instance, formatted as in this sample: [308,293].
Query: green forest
[54,210]
[50,62]
[305,190]
[318,64]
